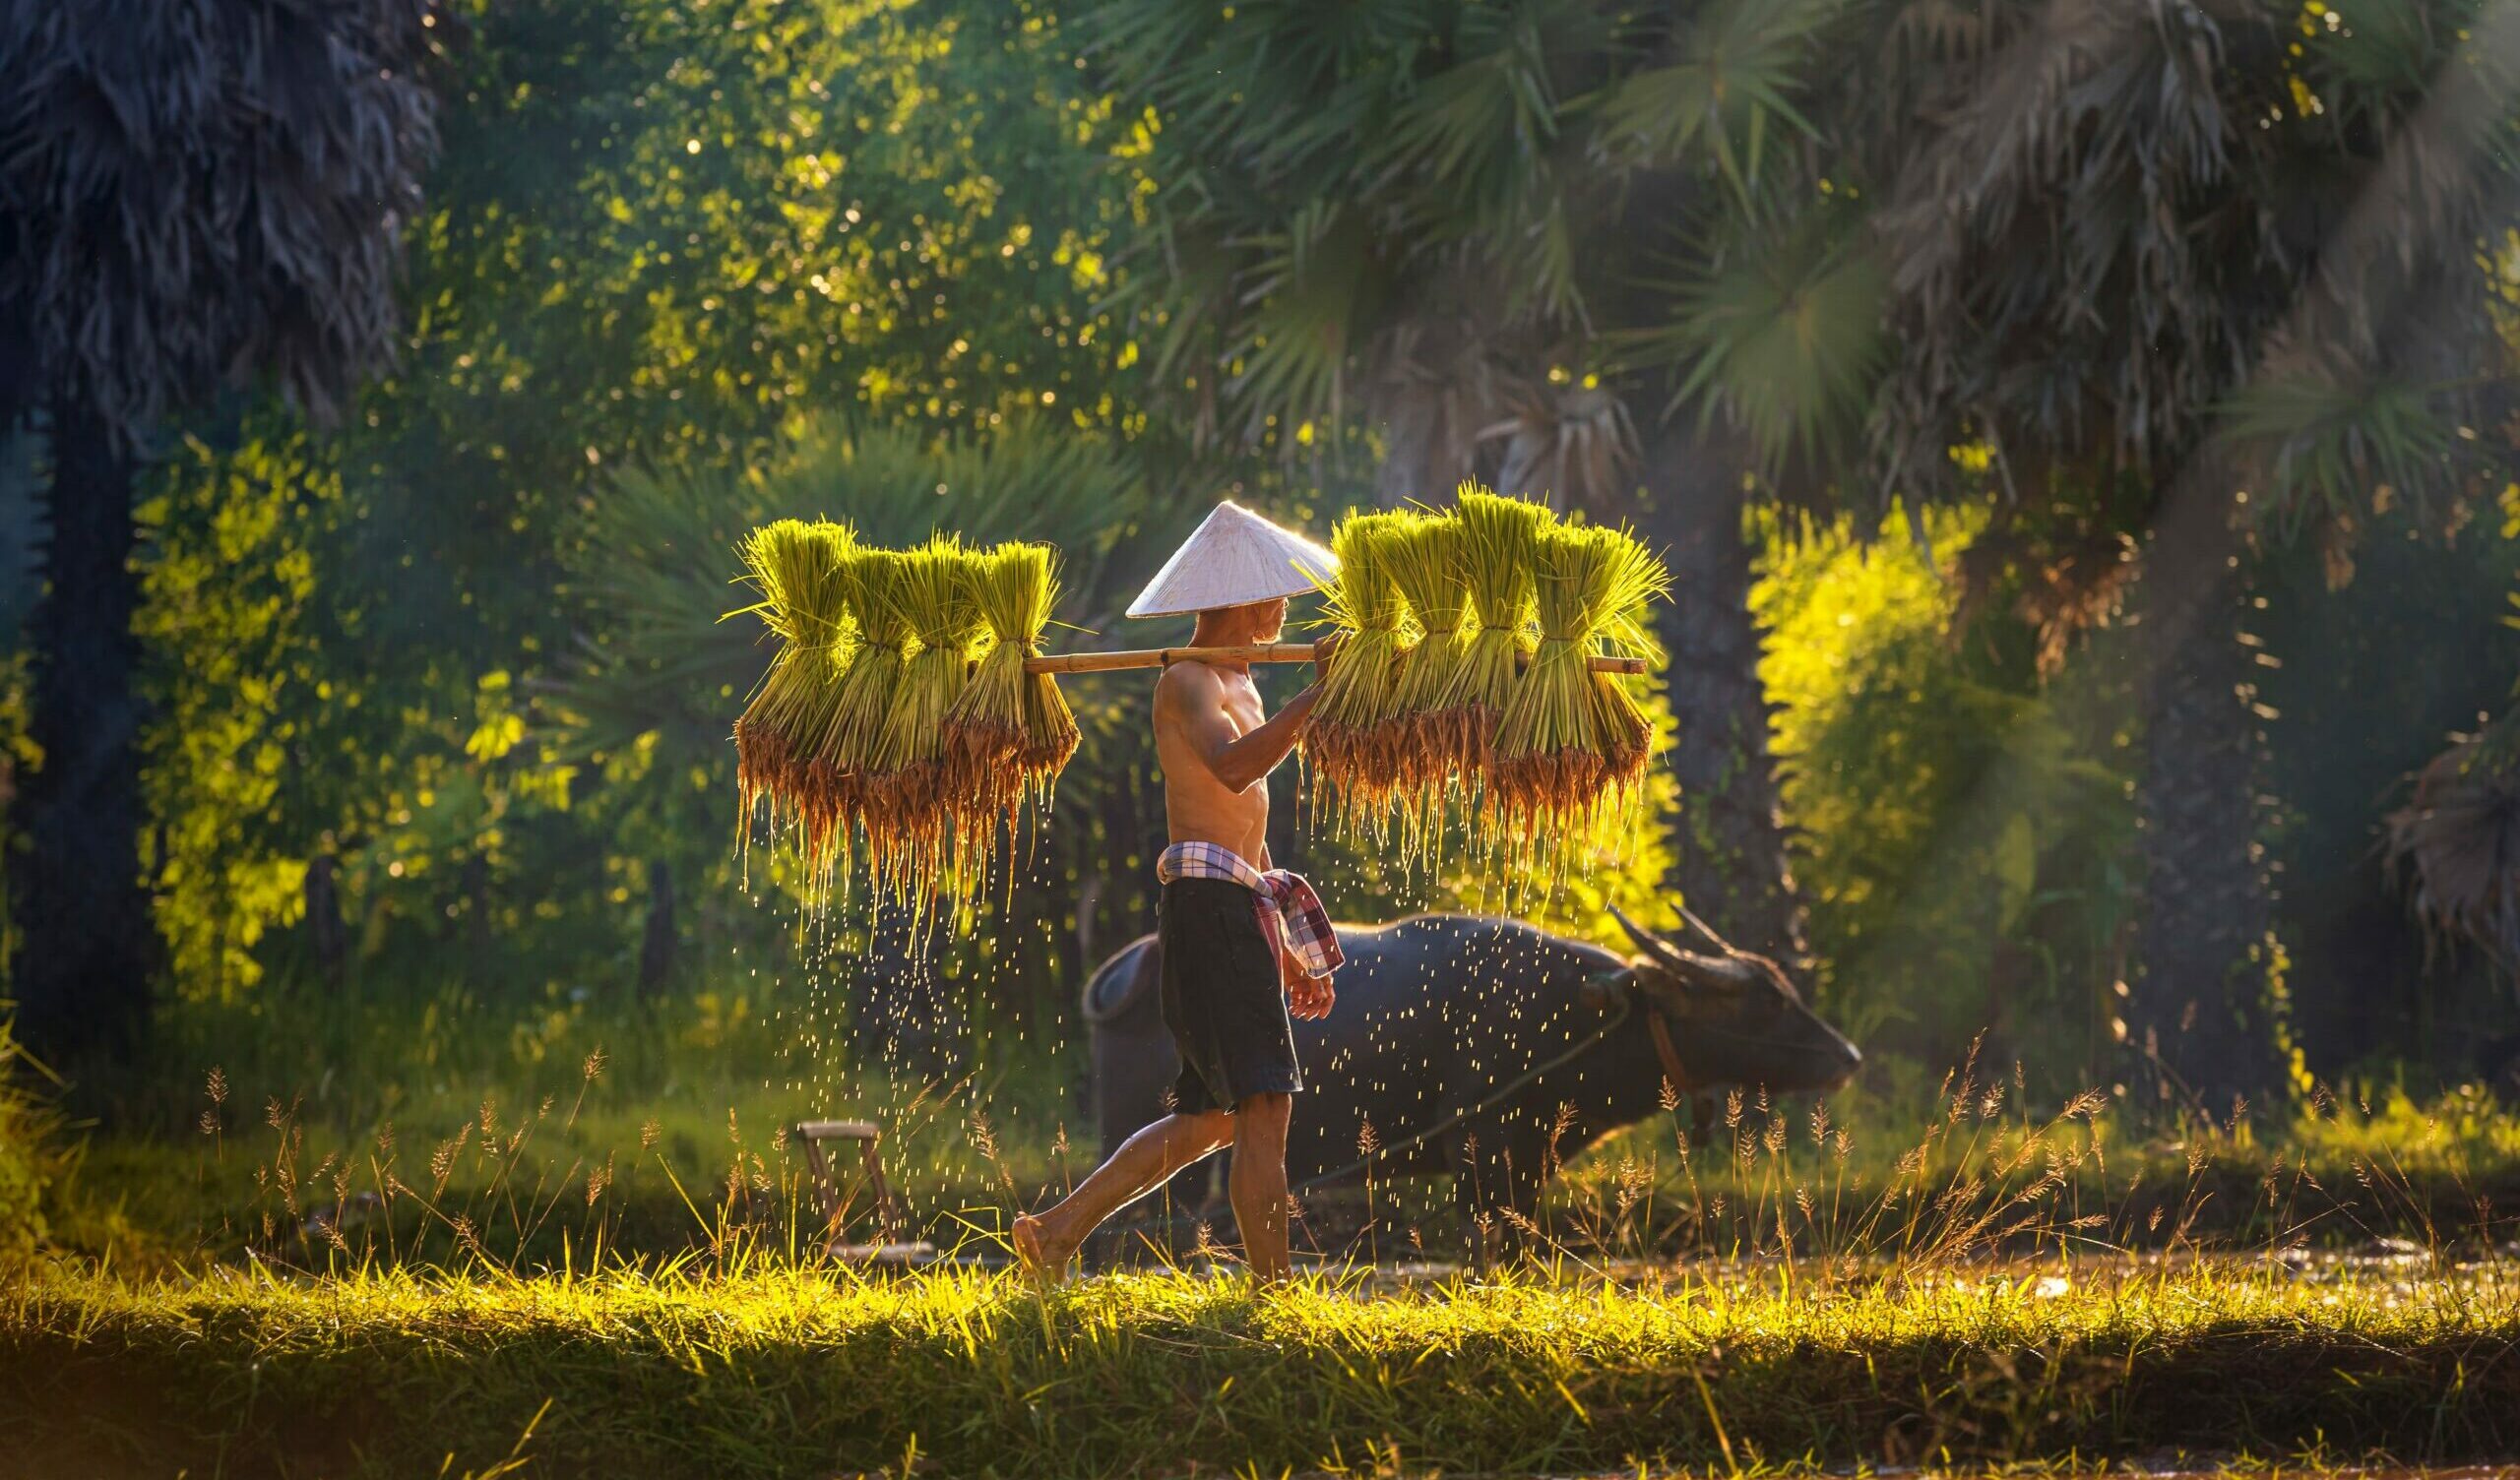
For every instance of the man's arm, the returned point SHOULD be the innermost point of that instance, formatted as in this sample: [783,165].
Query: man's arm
[1189,698]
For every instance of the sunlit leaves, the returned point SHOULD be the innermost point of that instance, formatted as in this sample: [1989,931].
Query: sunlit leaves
[887,220]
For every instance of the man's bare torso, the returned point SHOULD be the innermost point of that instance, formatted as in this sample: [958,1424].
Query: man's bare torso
[1198,807]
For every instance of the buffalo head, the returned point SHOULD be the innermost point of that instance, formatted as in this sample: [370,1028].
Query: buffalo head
[1734,1019]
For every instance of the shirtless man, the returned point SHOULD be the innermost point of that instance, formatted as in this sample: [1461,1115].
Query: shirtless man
[1232,981]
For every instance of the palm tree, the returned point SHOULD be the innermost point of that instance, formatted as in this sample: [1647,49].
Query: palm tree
[2142,258]
[1417,232]
[191,195]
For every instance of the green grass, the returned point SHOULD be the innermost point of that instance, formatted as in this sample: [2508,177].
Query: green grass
[608,1266]
[500,1112]
[765,1371]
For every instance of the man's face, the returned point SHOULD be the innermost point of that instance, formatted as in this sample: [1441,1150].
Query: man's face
[1255,620]
[1249,623]
[1268,619]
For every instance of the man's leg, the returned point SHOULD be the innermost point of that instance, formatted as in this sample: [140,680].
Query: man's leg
[1142,1163]
[1259,1186]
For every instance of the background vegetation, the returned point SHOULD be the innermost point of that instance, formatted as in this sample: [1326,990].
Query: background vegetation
[428,696]
[2082,437]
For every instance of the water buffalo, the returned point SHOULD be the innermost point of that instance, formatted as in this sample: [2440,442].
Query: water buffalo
[1458,1037]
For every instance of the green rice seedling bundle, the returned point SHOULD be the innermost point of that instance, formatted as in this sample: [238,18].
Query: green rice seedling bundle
[1051,732]
[1352,743]
[1626,731]
[1500,537]
[1426,559]
[906,805]
[834,791]
[796,567]
[1560,752]
[1009,733]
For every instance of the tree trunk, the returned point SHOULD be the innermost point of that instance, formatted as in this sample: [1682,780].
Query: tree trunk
[86,940]
[326,938]
[1729,861]
[656,942]
[2200,1015]
[472,883]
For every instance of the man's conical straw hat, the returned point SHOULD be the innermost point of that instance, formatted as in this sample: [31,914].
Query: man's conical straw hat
[1234,557]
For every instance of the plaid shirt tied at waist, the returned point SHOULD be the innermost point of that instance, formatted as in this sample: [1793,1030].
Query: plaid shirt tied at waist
[1291,914]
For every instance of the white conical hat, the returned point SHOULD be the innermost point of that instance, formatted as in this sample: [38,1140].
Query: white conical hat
[1233,558]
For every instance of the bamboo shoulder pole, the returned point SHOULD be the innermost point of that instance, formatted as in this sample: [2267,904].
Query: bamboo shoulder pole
[1247,653]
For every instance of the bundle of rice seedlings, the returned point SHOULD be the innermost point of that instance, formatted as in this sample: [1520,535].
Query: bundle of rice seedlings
[1566,745]
[1009,733]
[795,566]
[1426,559]
[1051,732]
[833,789]
[1626,731]
[1499,537]
[907,806]
[1350,743]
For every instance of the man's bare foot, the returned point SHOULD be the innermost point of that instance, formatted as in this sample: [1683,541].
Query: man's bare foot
[1044,1261]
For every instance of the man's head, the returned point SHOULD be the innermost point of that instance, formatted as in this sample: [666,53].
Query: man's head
[1251,622]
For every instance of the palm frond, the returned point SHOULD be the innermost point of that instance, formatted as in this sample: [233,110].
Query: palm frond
[207,192]
[1733,87]
[1472,134]
[2324,438]
[1783,333]
[1309,290]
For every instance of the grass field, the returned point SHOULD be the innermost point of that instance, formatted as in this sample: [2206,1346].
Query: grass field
[811,1373]
[519,1258]
[401,1119]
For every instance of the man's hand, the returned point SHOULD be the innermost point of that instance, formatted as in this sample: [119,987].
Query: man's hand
[1322,653]
[1309,997]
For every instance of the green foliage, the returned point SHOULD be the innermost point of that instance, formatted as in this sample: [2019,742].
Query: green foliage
[1943,810]
[1405,227]
[2327,439]
[1781,332]
[34,1152]
[850,240]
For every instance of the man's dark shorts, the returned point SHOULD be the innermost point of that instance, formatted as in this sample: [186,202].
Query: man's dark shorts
[1222,999]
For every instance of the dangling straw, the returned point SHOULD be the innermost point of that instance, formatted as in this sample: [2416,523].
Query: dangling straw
[1427,564]
[911,854]
[1010,732]
[796,566]
[1626,730]
[1499,539]
[1050,733]
[837,801]
[1349,742]
[1554,766]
